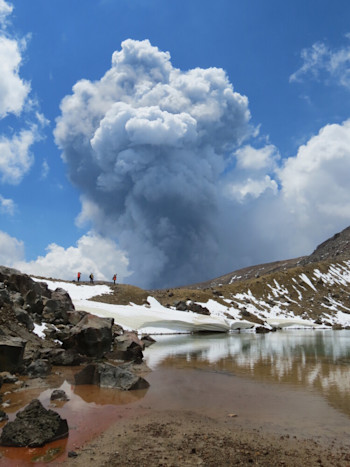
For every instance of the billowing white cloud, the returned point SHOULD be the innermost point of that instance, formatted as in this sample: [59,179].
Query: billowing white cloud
[254,159]
[324,63]
[13,90]
[146,145]
[254,172]
[315,183]
[252,187]
[92,253]
[15,156]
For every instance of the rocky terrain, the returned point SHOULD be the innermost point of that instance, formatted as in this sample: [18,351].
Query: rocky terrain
[101,351]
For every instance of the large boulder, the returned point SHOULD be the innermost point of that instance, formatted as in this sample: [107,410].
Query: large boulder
[106,375]
[92,336]
[55,309]
[11,353]
[33,427]
[196,308]
[127,347]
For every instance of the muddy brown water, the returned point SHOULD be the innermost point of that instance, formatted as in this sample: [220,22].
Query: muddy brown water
[294,383]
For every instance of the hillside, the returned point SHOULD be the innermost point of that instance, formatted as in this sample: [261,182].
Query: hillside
[314,287]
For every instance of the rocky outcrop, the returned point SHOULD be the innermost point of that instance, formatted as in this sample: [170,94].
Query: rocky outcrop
[33,427]
[106,375]
[24,302]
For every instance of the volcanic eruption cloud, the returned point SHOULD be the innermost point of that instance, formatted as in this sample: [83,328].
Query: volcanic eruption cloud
[147,146]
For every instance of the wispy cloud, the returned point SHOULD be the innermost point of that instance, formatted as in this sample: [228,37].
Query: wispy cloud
[5,11]
[7,206]
[45,169]
[323,63]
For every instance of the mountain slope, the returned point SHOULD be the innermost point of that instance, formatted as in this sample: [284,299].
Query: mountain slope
[314,288]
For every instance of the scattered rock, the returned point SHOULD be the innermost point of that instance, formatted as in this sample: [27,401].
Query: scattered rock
[39,368]
[196,308]
[180,305]
[7,377]
[58,395]
[33,427]
[106,375]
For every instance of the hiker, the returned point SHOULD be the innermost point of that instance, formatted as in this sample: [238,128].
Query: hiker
[91,278]
[79,276]
[114,278]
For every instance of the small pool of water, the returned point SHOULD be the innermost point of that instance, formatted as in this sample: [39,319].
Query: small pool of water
[290,382]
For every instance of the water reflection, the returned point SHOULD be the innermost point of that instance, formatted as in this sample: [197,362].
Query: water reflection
[89,411]
[316,360]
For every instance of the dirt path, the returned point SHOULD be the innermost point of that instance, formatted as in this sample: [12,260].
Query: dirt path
[185,438]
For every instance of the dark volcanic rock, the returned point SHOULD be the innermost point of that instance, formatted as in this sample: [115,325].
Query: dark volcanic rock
[180,305]
[92,336]
[3,416]
[33,427]
[24,318]
[59,395]
[39,368]
[261,330]
[196,308]
[56,308]
[11,353]
[61,357]
[127,347]
[106,375]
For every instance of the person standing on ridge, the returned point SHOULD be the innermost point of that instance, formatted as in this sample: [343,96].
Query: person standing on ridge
[78,277]
[114,278]
[91,278]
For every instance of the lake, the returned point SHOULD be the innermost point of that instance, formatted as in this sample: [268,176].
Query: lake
[294,383]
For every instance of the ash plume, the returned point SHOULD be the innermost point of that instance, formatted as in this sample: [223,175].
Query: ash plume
[147,146]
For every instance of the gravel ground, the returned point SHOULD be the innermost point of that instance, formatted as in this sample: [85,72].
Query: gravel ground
[185,438]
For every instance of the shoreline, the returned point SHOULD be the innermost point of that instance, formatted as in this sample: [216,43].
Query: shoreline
[183,437]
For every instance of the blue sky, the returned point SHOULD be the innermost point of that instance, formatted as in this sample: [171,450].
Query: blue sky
[269,182]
